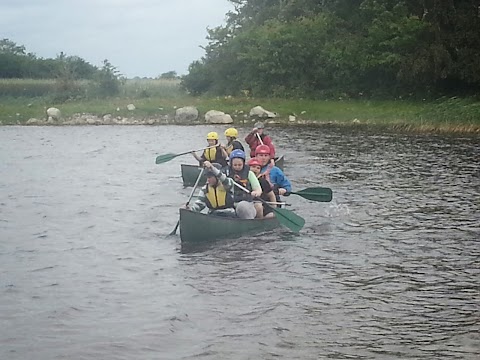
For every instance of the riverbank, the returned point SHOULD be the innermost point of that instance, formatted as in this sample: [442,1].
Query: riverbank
[441,115]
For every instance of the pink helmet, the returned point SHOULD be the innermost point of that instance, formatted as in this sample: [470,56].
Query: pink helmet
[254,162]
[262,149]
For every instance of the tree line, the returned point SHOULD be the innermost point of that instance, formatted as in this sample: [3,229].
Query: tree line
[16,63]
[347,48]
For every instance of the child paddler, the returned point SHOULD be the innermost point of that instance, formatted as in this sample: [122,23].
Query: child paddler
[267,190]
[241,174]
[280,183]
[215,154]
[217,194]
[231,134]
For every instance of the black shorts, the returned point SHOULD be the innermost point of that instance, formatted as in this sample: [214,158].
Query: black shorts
[267,210]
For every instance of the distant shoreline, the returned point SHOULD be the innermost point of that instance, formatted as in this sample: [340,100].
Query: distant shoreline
[156,102]
[93,120]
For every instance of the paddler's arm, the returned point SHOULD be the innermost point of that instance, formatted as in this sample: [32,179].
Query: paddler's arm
[200,203]
[196,156]
[227,182]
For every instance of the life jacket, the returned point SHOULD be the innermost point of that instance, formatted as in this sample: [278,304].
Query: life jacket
[218,198]
[235,144]
[241,178]
[215,156]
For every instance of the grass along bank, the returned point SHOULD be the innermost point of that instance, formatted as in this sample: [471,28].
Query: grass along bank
[154,98]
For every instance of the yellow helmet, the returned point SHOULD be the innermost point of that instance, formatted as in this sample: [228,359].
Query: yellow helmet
[212,136]
[231,132]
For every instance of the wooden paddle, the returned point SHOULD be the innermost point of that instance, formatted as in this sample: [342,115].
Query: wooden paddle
[319,194]
[174,231]
[167,157]
[286,217]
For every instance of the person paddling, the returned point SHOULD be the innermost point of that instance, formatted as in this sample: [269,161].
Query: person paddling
[241,174]
[216,153]
[217,194]
[273,174]
[231,135]
[258,137]
[267,191]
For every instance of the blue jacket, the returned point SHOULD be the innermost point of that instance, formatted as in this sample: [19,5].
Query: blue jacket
[278,178]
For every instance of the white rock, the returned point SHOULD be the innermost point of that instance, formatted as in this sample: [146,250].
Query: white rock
[130,107]
[33,121]
[259,111]
[187,113]
[54,113]
[218,117]
[291,118]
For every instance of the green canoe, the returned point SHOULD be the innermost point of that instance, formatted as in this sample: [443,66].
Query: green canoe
[190,172]
[199,228]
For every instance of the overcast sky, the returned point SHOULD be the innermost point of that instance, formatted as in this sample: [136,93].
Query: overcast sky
[139,37]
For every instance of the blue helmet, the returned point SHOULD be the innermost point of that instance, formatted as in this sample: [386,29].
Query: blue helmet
[237,153]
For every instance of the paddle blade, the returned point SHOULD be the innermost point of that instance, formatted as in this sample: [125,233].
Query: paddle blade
[174,231]
[319,194]
[289,219]
[164,158]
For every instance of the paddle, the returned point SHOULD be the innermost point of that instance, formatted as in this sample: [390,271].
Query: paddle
[286,217]
[167,157]
[319,194]
[259,138]
[188,201]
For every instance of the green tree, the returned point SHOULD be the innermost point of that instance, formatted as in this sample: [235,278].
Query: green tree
[169,75]
[108,80]
[381,48]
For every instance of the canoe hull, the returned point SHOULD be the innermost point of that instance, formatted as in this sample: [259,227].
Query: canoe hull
[202,228]
[191,172]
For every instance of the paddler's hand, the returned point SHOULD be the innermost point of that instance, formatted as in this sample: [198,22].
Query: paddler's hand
[256,193]
[207,164]
[282,191]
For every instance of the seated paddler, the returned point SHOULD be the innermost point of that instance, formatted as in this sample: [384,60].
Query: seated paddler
[231,134]
[216,153]
[216,194]
[273,174]
[243,176]
[266,211]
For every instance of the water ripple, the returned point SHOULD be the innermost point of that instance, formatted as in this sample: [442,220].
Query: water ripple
[389,269]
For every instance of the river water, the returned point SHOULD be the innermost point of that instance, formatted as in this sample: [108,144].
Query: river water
[390,269]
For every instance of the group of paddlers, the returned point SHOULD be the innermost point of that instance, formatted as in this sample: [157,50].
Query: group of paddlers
[237,187]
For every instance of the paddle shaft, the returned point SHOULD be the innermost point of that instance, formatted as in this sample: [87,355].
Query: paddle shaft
[259,138]
[205,148]
[189,199]
[167,157]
